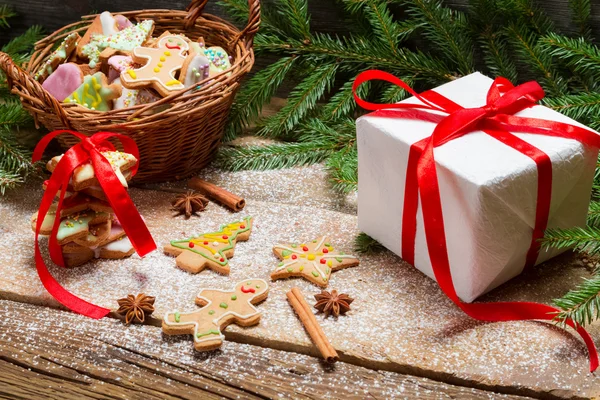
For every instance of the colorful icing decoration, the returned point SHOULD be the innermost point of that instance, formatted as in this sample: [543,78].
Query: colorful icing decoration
[160,65]
[314,261]
[109,24]
[125,40]
[94,93]
[64,81]
[122,22]
[118,64]
[210,249]
[133,97]
[194,70]
[219,60]
[58,56]
[205,327]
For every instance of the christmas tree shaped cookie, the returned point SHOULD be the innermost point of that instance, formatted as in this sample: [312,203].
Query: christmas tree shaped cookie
[219,309]
[314,261]
[211,249]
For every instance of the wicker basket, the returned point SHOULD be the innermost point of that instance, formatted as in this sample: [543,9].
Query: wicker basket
[175,142]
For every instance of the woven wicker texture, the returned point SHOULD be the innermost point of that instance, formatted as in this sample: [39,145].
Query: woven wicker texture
[175,142]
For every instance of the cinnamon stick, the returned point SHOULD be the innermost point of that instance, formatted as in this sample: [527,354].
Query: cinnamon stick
[217,194]
[311,325]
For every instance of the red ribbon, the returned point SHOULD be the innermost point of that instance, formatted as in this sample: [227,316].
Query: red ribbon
[88,150]
[497,120]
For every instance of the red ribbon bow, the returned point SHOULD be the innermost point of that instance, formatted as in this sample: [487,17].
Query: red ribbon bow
[89,149]
[497,120]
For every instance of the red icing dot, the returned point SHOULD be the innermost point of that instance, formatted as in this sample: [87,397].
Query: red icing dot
[325,251]
[305,248]
[191,244]
[242,226]
[225,237]
[205,242]
[222,259]
[322,261]
[294,256]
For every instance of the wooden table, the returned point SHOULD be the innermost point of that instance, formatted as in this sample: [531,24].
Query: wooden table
[426,348]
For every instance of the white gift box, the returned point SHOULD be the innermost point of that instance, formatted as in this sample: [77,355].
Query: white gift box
[488,190]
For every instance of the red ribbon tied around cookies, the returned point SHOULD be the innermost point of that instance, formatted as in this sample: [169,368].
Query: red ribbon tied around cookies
[496,118]
[88,150]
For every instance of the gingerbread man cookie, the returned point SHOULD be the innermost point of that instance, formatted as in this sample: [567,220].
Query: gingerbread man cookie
[161,64]
[314,261]
[210,249]
[219,309]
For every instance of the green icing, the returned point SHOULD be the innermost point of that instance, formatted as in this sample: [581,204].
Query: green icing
[177,316]
[127,39]
[184,244]
[290,269]
[294,245]
[73,225]
[211,332]
[286,253]
[281,264]
[211,312]
[338,259]
[315,274]
[234,297]
[223,305]
[92,94]
[328,244]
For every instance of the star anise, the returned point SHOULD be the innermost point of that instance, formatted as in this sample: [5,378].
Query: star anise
[136,308]
[333,303]
[189,203]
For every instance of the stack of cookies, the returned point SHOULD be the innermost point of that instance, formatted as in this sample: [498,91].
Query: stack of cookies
[118,64]
[88,227]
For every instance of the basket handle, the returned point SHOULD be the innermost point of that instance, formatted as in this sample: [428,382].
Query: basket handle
[195,10]
[14,74]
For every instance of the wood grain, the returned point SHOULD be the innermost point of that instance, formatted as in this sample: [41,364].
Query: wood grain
[61,355]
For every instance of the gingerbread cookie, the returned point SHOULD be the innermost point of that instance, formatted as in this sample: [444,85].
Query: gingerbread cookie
[194,70]
[160,65]
[83,176]
[210,249]
[58,56]
[97,234]
[123,41]
[219,309]
[95,93]
[133,97]
[219,60]
[314,261]
[75,255]
[117,64]
[72,226]
[117,249]
[64,81]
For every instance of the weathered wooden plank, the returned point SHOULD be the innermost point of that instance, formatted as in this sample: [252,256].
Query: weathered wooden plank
[60,355]
[400,320]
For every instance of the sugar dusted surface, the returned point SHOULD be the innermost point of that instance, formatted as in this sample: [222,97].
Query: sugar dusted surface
[400,320]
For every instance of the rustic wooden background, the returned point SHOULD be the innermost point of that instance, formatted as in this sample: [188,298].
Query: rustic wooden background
[326,15]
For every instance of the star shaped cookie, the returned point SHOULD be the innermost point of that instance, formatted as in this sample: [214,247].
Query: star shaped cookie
[314,260]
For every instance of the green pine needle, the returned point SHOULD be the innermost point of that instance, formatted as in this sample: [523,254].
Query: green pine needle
[581,11]
[273,156]
[296,13]
[577,106]
[6,12]
[593,218]
[300,101]
[581,304]
[9,180]
[585,239]
[257,91]
[342,104]
[365,244]
[24,43]
[579,54]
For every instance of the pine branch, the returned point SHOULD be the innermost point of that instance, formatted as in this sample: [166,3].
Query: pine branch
[446,29]
[395,94]
[581,10]
[577,53]
[577,106]
[523,12]
[383,24]
[593,218]
[24,43]
[581,304]
[343,169]
[300,101]
[269,21]
[365,244]
[9,180]
[296,13]
[359,51]
[342,104]
[6,12]
[255,93]
[533,55]
[274,156]
[582,239]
